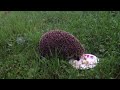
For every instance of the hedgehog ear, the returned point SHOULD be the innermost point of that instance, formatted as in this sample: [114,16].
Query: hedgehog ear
[78,58]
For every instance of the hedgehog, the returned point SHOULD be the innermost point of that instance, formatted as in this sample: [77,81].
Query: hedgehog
[60,43]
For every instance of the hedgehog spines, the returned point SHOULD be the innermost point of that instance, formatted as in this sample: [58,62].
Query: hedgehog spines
[62,43]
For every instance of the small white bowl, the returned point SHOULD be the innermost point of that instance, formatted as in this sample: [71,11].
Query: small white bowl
[86,61]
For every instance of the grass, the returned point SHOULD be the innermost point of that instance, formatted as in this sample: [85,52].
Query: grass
[98,31]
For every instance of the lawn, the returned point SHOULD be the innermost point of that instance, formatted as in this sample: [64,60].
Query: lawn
[20,32]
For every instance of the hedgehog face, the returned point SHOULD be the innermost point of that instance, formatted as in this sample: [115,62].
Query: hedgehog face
[61,43]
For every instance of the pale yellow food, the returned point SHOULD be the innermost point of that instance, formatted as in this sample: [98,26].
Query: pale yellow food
[85,62]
